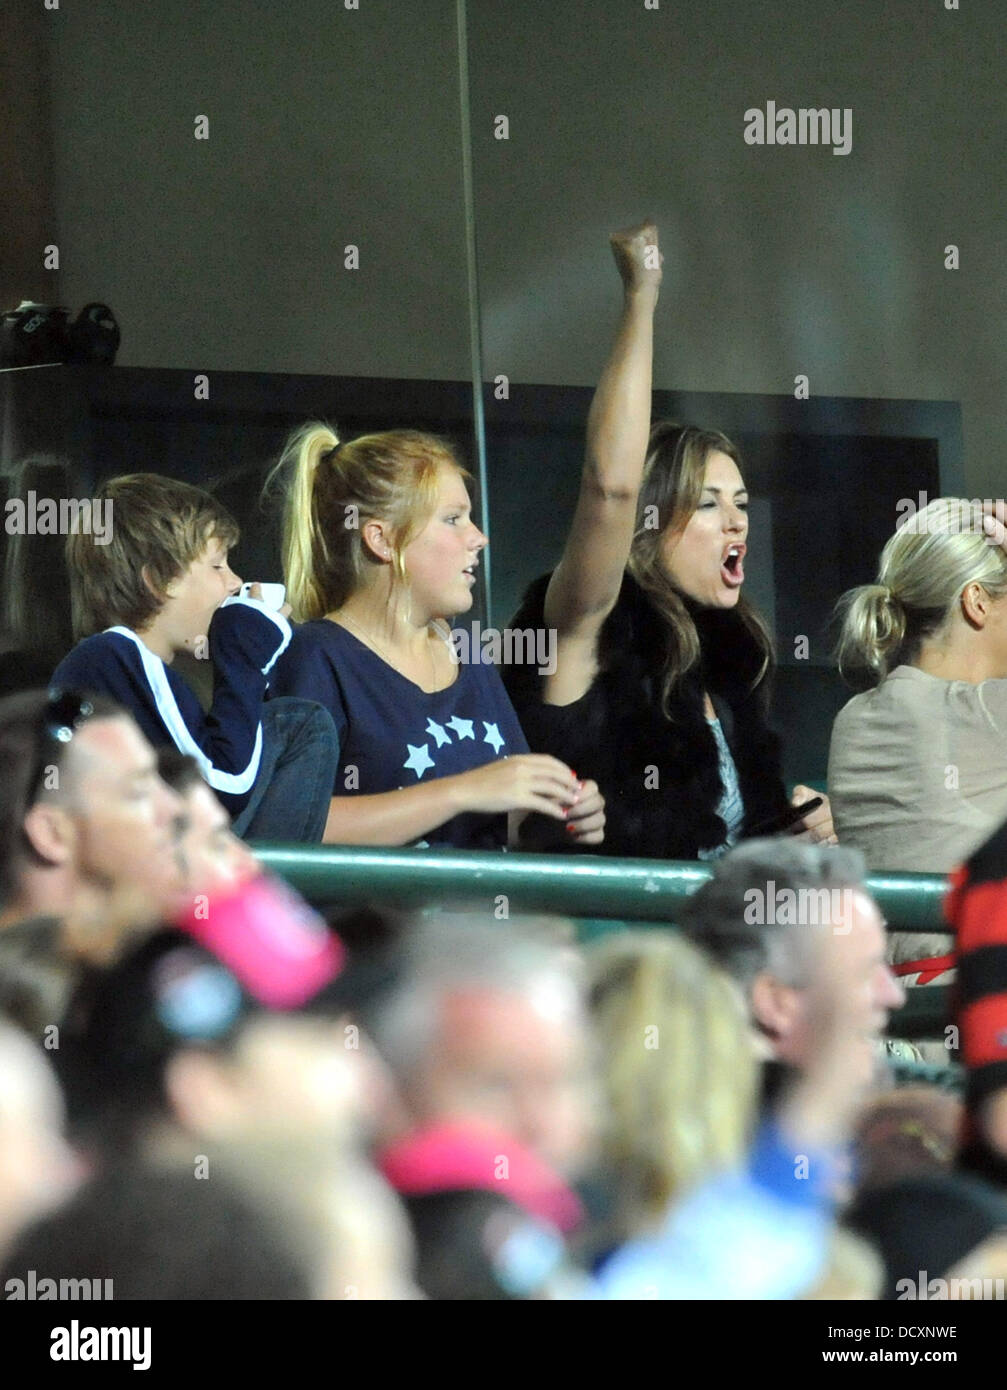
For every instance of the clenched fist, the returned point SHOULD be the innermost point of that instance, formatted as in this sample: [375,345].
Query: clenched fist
[638,258]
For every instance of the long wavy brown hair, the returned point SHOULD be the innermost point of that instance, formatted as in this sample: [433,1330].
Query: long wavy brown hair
[673,478]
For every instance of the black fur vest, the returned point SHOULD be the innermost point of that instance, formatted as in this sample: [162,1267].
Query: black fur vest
[660,777]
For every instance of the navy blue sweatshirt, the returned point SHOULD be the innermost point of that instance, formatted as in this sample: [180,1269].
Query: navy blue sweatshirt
[246,638]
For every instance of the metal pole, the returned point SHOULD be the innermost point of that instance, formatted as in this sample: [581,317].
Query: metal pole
[475,316]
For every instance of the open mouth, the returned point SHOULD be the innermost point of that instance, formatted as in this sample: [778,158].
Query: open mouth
[732,570]
[470,571]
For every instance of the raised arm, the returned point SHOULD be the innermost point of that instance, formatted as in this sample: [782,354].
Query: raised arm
[586,583]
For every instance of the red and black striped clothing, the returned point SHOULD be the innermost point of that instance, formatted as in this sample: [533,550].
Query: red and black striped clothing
[977,909]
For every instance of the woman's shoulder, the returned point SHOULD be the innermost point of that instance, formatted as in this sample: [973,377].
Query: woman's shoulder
[318,641]
[311,661]
[898,704]
[316,632]
[869,703]
[909,687]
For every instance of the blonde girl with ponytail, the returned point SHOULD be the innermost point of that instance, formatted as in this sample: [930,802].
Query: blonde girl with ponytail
[918,760]
[380,553]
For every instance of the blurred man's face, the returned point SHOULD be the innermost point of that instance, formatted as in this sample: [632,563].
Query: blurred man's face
[125,816]
[517,1062]
[212,855]
[286,1075]
[310,1081]
[303,1073]
[861,934]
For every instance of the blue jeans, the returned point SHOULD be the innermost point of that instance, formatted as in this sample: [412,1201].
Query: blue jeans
[300,758]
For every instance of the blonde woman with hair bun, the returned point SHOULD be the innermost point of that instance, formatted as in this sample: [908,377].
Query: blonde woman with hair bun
[918,760]
[380,553]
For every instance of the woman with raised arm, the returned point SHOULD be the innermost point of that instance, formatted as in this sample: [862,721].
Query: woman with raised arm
[660,687]
[380,550]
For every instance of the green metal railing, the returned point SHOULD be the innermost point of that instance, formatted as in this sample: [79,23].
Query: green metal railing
[585,886]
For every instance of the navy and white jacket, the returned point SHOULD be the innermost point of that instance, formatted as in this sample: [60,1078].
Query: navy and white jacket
[246,638]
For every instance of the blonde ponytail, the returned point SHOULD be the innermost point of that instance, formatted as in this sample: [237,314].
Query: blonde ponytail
[874,628]
[305,550]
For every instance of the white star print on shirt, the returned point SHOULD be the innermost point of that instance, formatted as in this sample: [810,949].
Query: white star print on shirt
[436,731]
[462,727]
[493,737]
[419,759]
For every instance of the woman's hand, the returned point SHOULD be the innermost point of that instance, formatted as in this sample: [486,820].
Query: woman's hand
[521,782]
[639,258]
[816,827]
[585,821]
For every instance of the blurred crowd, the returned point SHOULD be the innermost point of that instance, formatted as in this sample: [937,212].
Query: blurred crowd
[209,1091]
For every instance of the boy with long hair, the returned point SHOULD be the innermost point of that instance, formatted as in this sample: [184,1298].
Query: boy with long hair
[162,585]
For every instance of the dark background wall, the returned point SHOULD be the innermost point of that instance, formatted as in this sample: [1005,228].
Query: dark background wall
[779,260]
[327,127]
[331,126]
[26,154]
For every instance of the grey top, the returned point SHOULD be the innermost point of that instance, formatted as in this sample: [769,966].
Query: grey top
[918,770]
